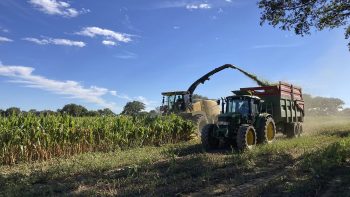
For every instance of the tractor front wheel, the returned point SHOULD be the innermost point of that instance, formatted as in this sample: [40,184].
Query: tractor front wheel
[208,141]
[246,137]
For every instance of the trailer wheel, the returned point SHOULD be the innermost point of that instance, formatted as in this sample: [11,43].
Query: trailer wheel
[267,131]
[208,141]
[300,128]
[246,137]
[293,130]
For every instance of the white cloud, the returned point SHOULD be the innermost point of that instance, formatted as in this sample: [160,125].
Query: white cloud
[198,6]
[126,55]
[4,39]
[109,43]
[24,75]
[113,92]
[107,34]
[37,41]
[195,4]
[68,42]
[54,7]
[56,41]
[4,30]
[148,103]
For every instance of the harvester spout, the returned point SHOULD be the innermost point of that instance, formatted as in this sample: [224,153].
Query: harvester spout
[207,76]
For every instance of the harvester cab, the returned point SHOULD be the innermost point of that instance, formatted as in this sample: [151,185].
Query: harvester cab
[176,102]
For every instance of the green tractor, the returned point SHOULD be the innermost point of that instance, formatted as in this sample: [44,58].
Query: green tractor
[241,124]
[254,115]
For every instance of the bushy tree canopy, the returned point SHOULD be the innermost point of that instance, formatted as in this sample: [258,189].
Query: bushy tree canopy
[74,110]
[106,112]
[322,105]
[12,111]
[303,15]
[133,108]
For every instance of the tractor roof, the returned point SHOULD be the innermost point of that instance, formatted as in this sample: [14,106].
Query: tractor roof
[174,93]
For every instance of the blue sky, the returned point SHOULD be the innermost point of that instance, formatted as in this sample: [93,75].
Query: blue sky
[105,53]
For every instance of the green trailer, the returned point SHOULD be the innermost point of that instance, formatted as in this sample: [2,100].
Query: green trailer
[285,103]
[254,115]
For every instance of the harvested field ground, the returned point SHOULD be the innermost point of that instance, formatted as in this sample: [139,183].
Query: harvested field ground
[317,164]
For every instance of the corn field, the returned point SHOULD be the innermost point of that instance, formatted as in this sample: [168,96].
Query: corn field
[26,138]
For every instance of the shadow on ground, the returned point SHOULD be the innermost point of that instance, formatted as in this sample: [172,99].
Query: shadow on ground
[189,171]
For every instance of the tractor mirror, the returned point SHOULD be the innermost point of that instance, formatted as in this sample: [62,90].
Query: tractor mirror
[218,101]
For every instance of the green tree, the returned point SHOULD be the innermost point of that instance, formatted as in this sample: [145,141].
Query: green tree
[304,15]
[12,111]
[106,112]
[33,111]
[2,112]
[92,113]
[47,112]
[133,108]
[322,105]
[74,110]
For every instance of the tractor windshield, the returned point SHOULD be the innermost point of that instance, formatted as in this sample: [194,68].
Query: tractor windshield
[237,106]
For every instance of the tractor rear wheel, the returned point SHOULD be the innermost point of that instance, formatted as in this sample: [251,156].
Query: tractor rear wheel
[208,141]
[246,137]
[267,131]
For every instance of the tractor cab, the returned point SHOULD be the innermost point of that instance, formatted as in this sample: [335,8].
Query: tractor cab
[239,109]
[176,101]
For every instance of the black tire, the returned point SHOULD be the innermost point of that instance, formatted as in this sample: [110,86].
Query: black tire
[267,131]
[246,137]
[208,141]
[200,122]
[292,130]
[300,129]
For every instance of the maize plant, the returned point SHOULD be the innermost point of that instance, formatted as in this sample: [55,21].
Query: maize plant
[26,138]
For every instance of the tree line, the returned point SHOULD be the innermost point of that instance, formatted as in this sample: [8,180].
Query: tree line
[131,108]
[314,106]
[318,106]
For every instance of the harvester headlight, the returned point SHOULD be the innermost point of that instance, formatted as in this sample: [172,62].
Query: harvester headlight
[223,123]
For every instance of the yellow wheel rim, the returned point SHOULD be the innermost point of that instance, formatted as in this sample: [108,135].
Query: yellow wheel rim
[270,132]
[250,137]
